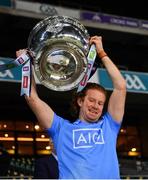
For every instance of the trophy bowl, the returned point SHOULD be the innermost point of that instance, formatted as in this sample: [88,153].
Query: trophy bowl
[59,45]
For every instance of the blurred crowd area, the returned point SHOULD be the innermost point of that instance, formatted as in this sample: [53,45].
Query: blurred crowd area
[23,168]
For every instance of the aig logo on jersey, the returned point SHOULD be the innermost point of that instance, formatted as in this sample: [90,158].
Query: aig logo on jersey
[87,138]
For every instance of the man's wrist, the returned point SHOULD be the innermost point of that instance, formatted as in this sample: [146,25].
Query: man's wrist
[102,54]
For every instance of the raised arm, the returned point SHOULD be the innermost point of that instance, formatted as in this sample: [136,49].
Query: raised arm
[116,103]
[42,111]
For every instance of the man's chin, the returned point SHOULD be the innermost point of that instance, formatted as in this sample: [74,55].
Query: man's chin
[92,120]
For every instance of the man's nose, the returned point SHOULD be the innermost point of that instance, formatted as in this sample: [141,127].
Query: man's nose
[95,105]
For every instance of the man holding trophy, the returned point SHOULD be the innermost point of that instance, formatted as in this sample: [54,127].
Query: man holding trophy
[86,148]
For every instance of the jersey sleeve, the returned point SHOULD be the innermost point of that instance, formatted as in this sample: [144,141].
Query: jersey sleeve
[115,126]
[54,130]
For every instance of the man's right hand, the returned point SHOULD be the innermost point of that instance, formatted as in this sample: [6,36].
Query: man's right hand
[21,51]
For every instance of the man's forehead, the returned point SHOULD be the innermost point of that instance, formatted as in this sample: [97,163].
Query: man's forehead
[93,93]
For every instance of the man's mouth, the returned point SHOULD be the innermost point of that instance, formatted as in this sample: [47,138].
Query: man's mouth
[93,111]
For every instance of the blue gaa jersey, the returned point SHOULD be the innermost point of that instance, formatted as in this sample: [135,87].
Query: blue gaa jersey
[86,150]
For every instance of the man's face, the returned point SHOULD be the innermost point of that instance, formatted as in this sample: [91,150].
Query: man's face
[92,105]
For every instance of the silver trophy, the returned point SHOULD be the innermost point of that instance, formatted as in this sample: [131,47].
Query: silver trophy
[60,45]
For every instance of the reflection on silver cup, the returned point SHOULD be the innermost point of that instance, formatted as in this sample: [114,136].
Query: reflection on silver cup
[60,45]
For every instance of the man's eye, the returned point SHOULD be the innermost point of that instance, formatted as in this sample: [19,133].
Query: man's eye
[101,103]
[91,100]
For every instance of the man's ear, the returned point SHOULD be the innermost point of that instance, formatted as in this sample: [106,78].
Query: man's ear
[79,101]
